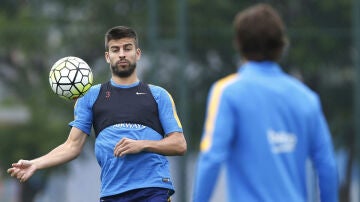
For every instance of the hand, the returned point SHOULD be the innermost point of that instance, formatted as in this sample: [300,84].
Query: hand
[22,170]
[128,146]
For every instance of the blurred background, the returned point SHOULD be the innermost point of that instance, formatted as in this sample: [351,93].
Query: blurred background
[187,45]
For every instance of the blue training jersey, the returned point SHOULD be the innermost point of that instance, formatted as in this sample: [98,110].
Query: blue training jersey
[133,171]
[263,125]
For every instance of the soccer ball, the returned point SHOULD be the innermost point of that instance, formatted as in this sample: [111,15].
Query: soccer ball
[70,77]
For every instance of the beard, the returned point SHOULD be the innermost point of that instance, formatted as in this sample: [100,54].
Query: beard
[123,71]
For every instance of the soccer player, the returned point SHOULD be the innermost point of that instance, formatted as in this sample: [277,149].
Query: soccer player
[136,126]
[262,124]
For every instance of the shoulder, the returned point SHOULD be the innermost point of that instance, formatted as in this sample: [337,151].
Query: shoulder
[302,88]
[227,80]
[91,95]
[225,84]
[158,91]
[94,89]
[156,88]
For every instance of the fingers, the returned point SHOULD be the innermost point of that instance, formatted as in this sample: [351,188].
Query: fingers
[120,148]
[20,170]
[21,164]
[18,173]
[121,142]
[23,177]
[17,165]
[128,146]
[13,171]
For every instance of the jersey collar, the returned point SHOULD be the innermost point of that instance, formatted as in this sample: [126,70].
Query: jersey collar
[264,66]
[124,86]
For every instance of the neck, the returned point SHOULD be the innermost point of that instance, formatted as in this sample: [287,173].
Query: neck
[125,80]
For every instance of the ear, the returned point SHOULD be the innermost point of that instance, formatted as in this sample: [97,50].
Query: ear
[138,54]
[107,57]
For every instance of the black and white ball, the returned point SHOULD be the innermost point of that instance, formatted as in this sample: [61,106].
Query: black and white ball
[70,77]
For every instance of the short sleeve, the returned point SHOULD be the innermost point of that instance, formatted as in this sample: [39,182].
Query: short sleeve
[83,116]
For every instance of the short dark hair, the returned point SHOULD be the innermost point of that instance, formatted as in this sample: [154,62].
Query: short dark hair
[120,32]
[260,33]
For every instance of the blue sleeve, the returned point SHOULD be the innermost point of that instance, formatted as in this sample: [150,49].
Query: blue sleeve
[217,135]
[322,155]
[83,110]
[167,110]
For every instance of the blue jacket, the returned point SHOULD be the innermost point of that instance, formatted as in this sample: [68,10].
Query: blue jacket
[264,125]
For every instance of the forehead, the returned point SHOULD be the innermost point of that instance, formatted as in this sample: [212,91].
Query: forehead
[121,42]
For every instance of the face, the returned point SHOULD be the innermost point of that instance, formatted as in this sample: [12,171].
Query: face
[122,57]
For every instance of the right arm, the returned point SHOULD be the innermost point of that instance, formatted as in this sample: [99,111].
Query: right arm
[63,153]
[216,139]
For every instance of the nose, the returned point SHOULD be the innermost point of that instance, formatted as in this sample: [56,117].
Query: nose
[121,53]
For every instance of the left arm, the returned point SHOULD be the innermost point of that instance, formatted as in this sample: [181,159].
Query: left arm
[322,154]
[173,144]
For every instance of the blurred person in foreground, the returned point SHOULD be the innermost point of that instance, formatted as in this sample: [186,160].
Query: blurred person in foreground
[135,124]
[263,124]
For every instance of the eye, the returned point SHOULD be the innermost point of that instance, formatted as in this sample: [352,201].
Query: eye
[114,49]
[128,47]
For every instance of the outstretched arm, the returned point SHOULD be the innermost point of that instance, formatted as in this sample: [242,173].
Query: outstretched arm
[63,153]
[172,145]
